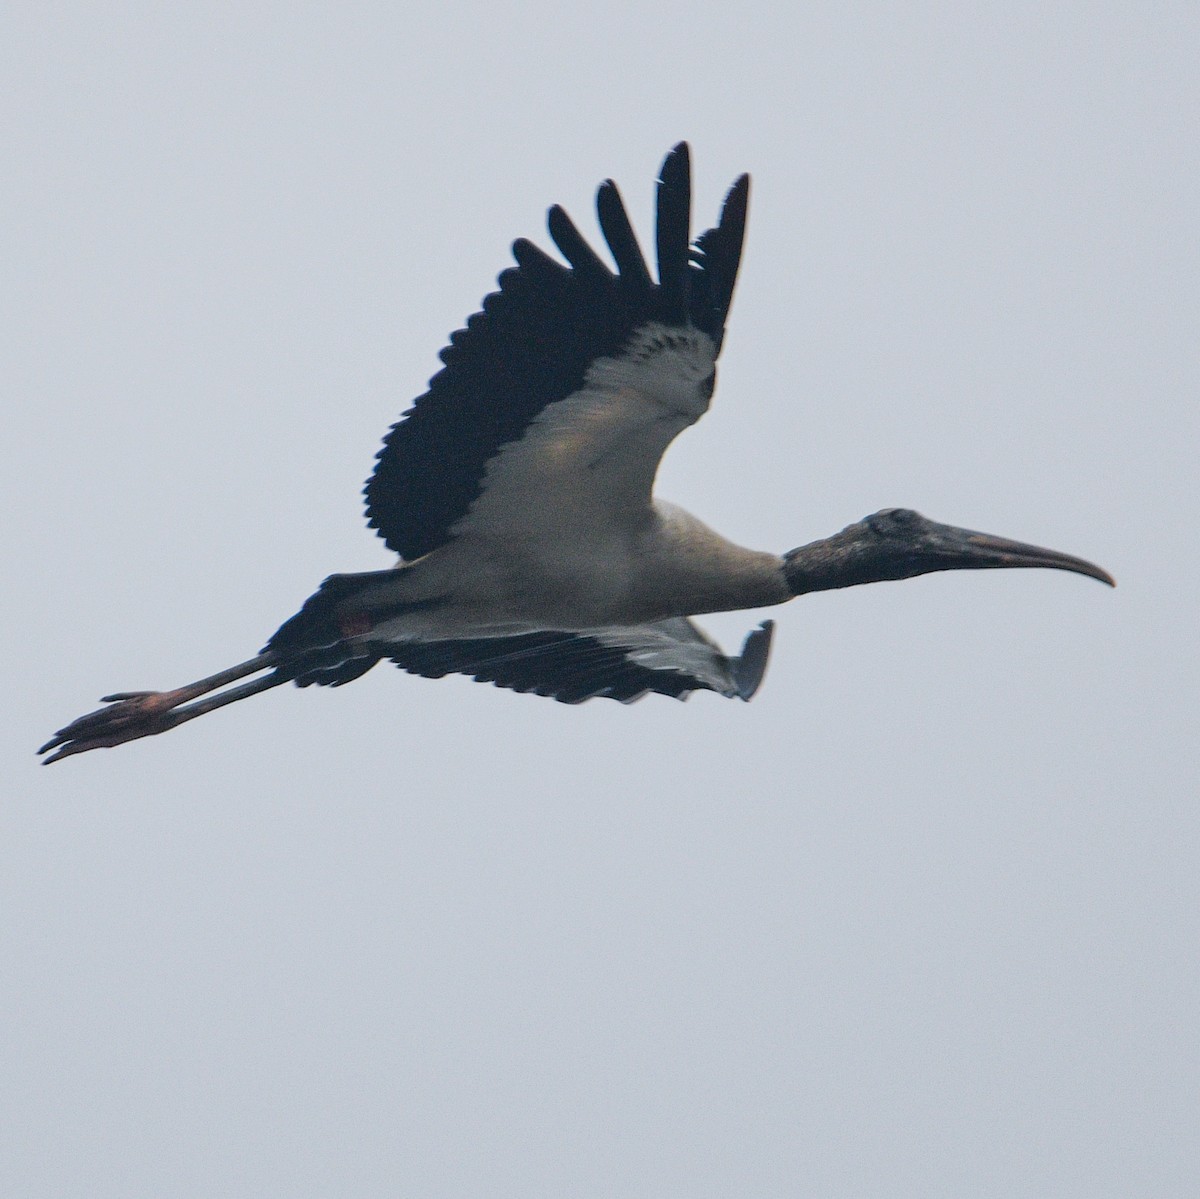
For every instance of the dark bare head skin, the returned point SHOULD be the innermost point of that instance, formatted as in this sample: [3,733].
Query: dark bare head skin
[898,543]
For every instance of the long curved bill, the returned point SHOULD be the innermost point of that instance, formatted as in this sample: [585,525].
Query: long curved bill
[968,549]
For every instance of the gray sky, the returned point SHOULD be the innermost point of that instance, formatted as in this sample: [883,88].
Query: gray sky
[921,920]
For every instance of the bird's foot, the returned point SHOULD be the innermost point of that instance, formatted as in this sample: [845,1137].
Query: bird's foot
[130,715]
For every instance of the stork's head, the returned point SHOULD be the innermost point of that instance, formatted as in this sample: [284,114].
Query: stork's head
[898,543]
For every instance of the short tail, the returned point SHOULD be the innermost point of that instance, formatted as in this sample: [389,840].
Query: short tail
[327,617]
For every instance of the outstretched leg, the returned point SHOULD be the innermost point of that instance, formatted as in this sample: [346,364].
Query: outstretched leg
[134,714]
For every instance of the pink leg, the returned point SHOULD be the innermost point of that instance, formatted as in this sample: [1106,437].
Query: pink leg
[135,714]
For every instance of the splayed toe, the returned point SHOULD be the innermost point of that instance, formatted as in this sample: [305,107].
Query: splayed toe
[131,714]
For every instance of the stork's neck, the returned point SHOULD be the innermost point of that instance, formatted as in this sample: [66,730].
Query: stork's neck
[838,561]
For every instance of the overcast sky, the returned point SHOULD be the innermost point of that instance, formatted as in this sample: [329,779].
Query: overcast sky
[920,921]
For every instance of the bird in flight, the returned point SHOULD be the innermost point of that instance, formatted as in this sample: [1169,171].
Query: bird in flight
[517,492]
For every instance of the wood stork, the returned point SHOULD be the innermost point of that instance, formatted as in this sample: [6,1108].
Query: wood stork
[517,493]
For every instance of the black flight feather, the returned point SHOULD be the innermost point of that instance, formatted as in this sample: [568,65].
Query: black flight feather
[532,345]
[622,241]
[671,235]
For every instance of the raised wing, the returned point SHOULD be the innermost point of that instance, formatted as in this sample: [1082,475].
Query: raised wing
[670,657]
[568,362]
